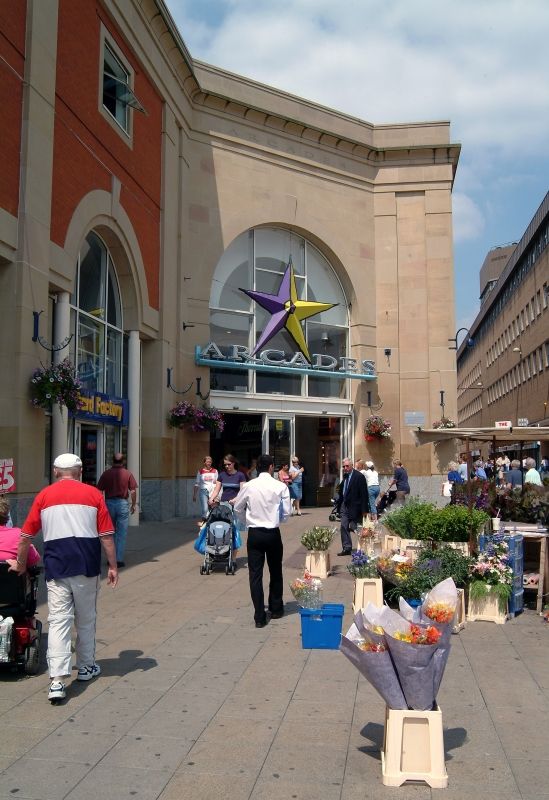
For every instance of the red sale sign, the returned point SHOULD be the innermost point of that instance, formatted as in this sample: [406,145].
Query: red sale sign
[7,478]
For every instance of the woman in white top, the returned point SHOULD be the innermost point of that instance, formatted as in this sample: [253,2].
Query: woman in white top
[372,479]
[206,479]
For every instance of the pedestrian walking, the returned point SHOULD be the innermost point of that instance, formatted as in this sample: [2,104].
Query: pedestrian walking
[352,504]
[296,487]
[206,479]
[532,475]
[264,503]
[75,524]
[119,487]
[400,482]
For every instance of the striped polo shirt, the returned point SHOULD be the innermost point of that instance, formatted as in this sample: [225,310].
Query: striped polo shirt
[72,517]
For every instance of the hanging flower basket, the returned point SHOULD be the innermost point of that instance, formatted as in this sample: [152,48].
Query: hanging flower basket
[444,422]
[197,418]
[55,384]
[376,427]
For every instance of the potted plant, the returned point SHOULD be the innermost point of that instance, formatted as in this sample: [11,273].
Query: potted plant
[55,384]
[368,585]
[376,427]
[317,540]
[458,524]
[491,583]
[418,580]
[444,422]
[196,418]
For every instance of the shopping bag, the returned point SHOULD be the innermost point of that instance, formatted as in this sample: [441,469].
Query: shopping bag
[200,542]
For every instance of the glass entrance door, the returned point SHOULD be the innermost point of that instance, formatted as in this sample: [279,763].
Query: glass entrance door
[89,445]
[278,438]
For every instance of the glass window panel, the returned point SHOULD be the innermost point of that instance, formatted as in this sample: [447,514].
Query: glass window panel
[114,311]
[115,82]
[275,246]
[232,274]
[93,270]
[90,354]
[229,329]
[323,287]
[279,442]
[270,282]
[113,362]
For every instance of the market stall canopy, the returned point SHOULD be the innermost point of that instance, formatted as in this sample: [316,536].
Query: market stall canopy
[510,434]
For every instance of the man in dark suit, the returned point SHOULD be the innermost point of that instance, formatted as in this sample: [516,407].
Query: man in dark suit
[352,503]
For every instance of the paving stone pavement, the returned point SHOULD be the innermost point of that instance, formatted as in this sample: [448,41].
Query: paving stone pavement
[194,701]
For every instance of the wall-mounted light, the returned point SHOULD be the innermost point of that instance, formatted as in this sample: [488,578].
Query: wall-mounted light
[454,339]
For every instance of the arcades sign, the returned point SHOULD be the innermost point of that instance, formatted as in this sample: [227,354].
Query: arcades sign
[287,313]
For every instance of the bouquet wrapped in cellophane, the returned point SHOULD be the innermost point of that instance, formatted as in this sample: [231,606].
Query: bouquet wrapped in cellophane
[307,591]
[418,648]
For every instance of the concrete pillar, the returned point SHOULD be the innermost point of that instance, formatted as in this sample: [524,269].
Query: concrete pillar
[134,427]
[61,331]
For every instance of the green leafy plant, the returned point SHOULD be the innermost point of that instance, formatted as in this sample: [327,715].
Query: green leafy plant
[319,537]
[414,520]
[419,579]
[55,384]
[529,503]
[446,562]
[458,523]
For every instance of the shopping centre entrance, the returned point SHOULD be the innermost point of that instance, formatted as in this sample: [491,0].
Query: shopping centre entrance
[319,442]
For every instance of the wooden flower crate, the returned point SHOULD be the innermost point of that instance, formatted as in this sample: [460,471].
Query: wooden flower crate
[317,563]
[486,609]
[413,748]
[367,590]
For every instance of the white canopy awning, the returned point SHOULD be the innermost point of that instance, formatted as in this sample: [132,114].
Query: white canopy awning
[518,435]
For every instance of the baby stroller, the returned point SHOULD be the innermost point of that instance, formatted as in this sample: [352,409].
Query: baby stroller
[20,639]
[385,500]
[334,513]
[220,534]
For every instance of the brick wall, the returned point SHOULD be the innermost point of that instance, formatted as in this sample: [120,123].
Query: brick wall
[12,67]
[89,150]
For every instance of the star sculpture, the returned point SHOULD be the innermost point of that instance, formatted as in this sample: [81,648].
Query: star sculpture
[286,311]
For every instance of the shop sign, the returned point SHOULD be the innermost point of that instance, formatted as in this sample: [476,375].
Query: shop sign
[287,312]
[522,422]
[7,478]
[236,356]
[99,407]
[503,423]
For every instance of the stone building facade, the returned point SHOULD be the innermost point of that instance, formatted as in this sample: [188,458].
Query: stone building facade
[145,194]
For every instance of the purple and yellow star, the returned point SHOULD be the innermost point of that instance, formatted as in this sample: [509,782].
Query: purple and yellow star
[287,311]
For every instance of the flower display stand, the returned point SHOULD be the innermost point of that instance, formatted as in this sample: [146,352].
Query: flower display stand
[391,541]
[486,609]
[459,617]
[410,548]
[317,563]
[413,748]
[463,547]
[367,590]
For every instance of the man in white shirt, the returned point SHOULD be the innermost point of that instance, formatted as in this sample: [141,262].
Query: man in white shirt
[264,503]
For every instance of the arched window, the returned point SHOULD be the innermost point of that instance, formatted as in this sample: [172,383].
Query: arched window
[97,320]
[257,260]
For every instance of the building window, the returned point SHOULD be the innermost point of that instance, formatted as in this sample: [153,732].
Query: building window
[258,260]
[115,88]
[97,320]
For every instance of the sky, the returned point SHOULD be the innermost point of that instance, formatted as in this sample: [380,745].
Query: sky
[481,64]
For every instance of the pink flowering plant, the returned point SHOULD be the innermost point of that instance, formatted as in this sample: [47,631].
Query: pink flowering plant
[492,573]
[376,427]
[55,384]
[444,422]
[197,418]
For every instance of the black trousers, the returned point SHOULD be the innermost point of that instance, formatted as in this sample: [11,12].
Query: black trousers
[265,542]
[347,526]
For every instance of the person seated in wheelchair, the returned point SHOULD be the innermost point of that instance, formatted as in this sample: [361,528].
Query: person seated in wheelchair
[9,540]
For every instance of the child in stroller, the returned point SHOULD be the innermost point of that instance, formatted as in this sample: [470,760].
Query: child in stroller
[220,539]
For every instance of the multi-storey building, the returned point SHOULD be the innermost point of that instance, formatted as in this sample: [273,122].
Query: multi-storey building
[503,364]
[148,203]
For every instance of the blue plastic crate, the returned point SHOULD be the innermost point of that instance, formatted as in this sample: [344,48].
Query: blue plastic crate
[321,627]
[516,602]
